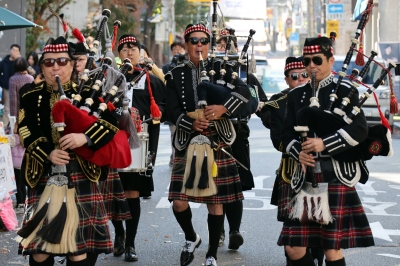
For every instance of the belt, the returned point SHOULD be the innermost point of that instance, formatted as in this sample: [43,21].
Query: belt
[241,120]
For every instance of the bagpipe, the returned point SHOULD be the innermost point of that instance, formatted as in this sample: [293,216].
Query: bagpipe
[217,91]
[378,141]
[70,118]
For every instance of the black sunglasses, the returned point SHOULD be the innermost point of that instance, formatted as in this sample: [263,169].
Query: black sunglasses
[316,60]
[49,62]
[295,76]
[195,40]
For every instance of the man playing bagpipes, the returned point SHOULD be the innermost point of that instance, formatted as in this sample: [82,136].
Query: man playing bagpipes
[65,210]
[204,170]
[147,95]
[327,214]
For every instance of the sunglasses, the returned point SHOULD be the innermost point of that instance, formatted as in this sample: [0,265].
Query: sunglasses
[195,40]
[316,60]
[295,76]
[49,62]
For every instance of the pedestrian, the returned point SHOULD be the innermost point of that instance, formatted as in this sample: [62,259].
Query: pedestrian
[147,95]
[33,61]
[178,56]
[19,79]
[55,174]
[155,70]
[347,225]
[7,71]
[182,100]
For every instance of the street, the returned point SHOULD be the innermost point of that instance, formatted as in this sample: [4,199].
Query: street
[160,238]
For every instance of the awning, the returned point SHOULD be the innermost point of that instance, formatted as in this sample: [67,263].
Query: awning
[9,20]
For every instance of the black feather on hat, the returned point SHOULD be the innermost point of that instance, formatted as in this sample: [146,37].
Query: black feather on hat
[293,63]
[79,48]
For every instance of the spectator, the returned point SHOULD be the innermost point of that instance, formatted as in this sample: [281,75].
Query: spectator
[33,61]
[155,69]
[19,79]
[178,51]
[6,71]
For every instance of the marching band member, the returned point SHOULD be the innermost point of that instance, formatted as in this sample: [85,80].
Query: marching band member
[182,101]
[349,227]
[134,183]
[46,155]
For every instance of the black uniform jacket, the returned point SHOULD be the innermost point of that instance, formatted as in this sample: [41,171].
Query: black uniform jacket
[338,140]
[36,130]
[182,96]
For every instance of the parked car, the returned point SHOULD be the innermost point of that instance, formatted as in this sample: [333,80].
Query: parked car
[370,107]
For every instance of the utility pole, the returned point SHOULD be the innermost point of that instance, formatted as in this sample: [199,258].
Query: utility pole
[310,15]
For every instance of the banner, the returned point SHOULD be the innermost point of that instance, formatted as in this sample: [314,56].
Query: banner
[7,176]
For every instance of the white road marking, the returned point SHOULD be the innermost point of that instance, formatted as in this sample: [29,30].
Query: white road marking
[390,255]
[368,189]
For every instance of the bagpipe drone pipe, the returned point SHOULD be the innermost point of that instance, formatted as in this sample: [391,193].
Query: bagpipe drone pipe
[324,122]
[210,93]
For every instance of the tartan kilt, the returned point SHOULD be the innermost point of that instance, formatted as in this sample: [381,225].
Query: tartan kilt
[227,181]
[93,234]
[114,197]
[281,196]
[349,229]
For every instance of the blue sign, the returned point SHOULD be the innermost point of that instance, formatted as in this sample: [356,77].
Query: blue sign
[294,38]
[335,8]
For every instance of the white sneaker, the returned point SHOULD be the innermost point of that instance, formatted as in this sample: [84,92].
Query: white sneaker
[210,261]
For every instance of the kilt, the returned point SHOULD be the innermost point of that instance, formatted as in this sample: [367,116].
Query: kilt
[114,197]
[241,151]
[227,181]
[281,196]
[93,234]
[349,229]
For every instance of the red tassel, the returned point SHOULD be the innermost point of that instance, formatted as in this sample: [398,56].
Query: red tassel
[384,121]
[115,34]
[154,110]
[110,106]
[360,56]
[394,106]
[78,35]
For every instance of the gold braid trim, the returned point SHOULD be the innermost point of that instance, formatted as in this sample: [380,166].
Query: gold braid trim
[30,91]
[34,163]
[21,115]
[108,125]
[275,102]
[91,171]
[288,166]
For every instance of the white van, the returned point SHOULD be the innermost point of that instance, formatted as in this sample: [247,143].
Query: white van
[370,107]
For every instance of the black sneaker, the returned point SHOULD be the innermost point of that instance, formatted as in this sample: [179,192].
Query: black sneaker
[119,246]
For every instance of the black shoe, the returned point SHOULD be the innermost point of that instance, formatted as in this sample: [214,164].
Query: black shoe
[119,245]
[235,240]
[130,254]
[188,250]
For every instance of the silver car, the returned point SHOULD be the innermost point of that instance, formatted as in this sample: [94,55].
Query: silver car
[370,107]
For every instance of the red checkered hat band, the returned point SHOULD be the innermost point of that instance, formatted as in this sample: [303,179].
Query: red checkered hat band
[196,28]
[224,32]
[55,48]
[313,49]
[294,65]
[127,40]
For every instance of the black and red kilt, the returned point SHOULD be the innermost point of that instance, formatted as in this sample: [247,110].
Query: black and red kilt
[227,181]
[349,229]
[114,197]
[281,196]
[93,234]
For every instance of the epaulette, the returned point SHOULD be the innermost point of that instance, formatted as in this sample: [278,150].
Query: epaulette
[38,87]
[345,83]
[169,73]
[300,86]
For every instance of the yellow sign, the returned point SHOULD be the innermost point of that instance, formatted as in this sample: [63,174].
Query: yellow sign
[332,25]
[288,32]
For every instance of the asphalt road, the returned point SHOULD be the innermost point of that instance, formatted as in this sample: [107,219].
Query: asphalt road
[160,238]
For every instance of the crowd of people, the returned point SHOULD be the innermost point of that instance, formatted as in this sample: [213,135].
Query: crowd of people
[210,157]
